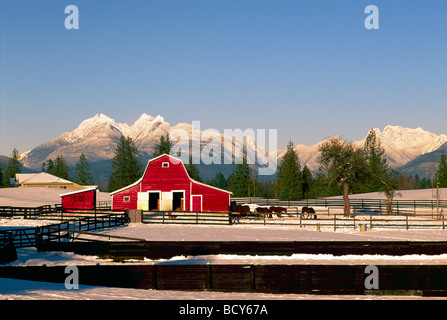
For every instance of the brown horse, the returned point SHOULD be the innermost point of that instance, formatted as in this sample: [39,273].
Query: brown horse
[310,211]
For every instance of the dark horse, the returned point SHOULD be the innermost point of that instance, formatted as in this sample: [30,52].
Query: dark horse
[310,211]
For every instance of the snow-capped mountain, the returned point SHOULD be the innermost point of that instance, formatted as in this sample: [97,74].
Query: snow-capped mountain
[401,146]
[97,137]
[404,144]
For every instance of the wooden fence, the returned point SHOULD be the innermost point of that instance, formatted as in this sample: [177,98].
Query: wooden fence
[28,212]
[29,237]
[186,217]
[328,220]
[141,249]
[373,204]
[50,212]
[424,280]
[7,249]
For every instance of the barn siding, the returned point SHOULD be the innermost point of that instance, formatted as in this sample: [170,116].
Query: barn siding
[212,199]
[118,202]
[79,200]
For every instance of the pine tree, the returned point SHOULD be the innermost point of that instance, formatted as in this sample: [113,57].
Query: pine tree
[239,180]
[50,166]
[126,166]
[193,171]
[441,174]
[14,166]
[219,181]
[83,172]
[289,177]
[1,178]
[376,162]
[164,146]
[60,168]
[307,182]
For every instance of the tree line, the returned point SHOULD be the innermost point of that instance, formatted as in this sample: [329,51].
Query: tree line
[343,169]
[57,167]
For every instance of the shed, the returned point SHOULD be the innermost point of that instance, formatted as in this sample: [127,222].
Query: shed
[167,186]
[79,200]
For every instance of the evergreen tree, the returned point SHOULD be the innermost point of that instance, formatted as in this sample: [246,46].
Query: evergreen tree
[60,168]
[376,164]
[126,166]
[50,166]
[289,178]
[193,171]
[14,166]
[83,174]
[441,174]
[1,178]
[307,182]
[239,180]
[164,146]
[219,181]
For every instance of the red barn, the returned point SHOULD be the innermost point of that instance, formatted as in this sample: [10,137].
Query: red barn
[79,200]
[167,186]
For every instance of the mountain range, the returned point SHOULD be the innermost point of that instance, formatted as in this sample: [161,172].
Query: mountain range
[409,150]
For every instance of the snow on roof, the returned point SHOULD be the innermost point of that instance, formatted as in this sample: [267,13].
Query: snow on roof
[79,191]
[36,178]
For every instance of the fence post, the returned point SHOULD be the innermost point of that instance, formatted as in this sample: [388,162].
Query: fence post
[406,221]
[38,238]
[335,221]
[370,221]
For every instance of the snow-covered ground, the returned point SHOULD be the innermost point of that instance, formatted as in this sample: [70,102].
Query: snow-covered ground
[422,194]
[37,196]
[21,289]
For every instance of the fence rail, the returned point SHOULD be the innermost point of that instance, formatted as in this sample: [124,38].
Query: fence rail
[377,204]
[186,217]
[48,211]
[424,280]
[332,220]
[30,237]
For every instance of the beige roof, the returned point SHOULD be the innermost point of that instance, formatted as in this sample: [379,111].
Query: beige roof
[39,178]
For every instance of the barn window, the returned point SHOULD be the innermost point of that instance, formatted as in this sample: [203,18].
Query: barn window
[165,164]
[126,198]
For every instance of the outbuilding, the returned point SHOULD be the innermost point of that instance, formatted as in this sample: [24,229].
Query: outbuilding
[167,186]
[79,200]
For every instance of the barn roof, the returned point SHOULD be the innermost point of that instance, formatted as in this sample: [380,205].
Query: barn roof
[41,177]
[79,191]
[176,159]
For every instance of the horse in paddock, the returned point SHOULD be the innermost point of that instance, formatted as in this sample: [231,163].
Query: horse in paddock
[310,212]
[263,211]
[240,208]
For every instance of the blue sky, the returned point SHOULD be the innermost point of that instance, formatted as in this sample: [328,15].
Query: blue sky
[307,68]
